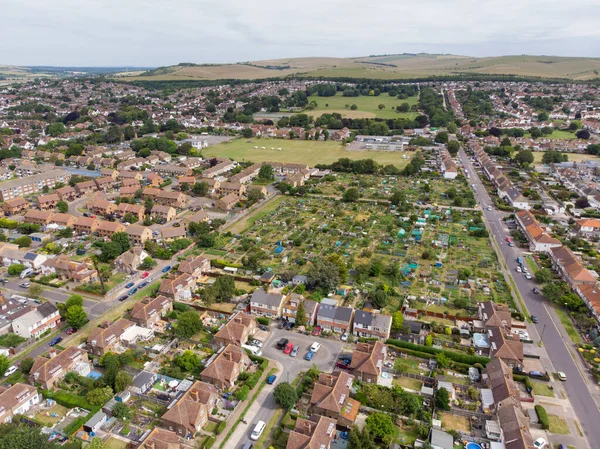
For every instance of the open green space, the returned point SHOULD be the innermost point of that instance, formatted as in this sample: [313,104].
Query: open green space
[558,425]
[366,106]
[542,389]
[113,443]
[568,325]
[297,151]
[407,382]
[557,134]
[573,157]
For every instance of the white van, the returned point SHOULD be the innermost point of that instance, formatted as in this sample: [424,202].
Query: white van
[253,349]
[26,273]
[258,430]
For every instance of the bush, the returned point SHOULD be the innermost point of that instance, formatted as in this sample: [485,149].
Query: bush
[543,416]
[253,380]
[221,427]
[9,340]
[242,392]
[454,356]
[263,320]
[209,443]
[72,428]
[528,384]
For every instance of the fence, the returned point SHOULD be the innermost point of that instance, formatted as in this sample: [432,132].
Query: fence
[461,412]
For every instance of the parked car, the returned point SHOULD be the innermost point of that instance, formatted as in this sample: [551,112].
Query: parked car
[345,336]
[271,379]
[309,355]
[316,331]
[281,325]
[289,326]
[11,370]
[315,347]
[71,331]
[511,244]
[55,341]
[540,443]
[258,430]
[4,280]
[282,343]
[131,284]
[24,285]
[165,269]
[519,270]
[342,365]
[288,348]
[142,285]
[123,298]
[256,343]
[528,276]
[145,274]
[262,327]
[561,376]
[294,352]
[534,319]
[508,239]
[133,291]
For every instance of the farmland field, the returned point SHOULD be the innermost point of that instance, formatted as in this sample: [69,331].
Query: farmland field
[298,151]
[367,107]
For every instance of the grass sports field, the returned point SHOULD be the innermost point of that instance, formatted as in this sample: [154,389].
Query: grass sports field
[367,107]
[573,157]
[558,134]
[299,151]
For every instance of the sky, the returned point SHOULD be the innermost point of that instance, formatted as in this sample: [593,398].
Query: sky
[153,33]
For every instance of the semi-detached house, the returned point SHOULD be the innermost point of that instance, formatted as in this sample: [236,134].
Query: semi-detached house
[367,361]
[48,371]
[372,325]
[17,400]
[290,308]
[33,324]
[192,411]
[266,304]
[335,318]
[539,239]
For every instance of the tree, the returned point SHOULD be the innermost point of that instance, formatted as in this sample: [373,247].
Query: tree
[361,439]
[543,276]
[351,195]
[130,218]
[76,317]
[200,188]
[301,315]
[62,206]
[99,396]
[285,395]
[188,361]
[26,365]
[442,399]
[583,134]
[266,172]
[56,129]
[324,274]
[148,263]
[122,239]
[442,360]
[381,426]
[381,106]
[441,137]
[21,436]
[247,133]
[397,321]
[453,147]
[74,300]
[35,290]
[188,324]
[16,269]
[581,202]
[23,241]
[121,411]
[4,364]
[524,157]
[122,381]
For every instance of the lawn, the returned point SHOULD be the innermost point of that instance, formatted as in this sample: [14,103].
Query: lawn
[558,425]
[407,382]
[568,325]
[542,389]
[115,280]
[573,157]
[367,107]
[557,134]
[113,443]
[297,151]
[408,366]
[243,224]
[46,419]
[455,422]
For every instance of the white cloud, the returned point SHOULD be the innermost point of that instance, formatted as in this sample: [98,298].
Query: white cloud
[153,32]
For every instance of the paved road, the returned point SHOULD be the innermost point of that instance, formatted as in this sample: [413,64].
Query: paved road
[324,359]
[577,386]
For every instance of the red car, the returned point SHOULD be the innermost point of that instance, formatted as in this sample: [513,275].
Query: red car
[71,331]
[343,365]
[316,331]
[508,239]
[145,274]
[288,348]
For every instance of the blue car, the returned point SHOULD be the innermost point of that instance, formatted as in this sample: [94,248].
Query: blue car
[309,355]
[55,341]
[167,268]
[142,285]
[271,379]
[131,284]
[132,291]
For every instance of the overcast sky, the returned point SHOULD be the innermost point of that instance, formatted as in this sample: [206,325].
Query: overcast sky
[166,32]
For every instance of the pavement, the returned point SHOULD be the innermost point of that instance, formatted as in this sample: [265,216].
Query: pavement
[559,348]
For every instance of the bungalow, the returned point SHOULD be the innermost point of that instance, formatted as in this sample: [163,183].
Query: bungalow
[102,207]
[126,208]
[178,288]
[66,220]
[85,187]
[15,206]
[17,400]
[11,254]
[86,225]
[367,361]
[226,367]
[315,432]
[108,339]
[143,382]
[228,202]
[331,398]
[38,217]
[334,318]
[266,304]
[290,308]
[66,193]
[170,234]
[162,214]
[37,321]
[48,371]
[148,312]
[236,331]
[108,228]
[138,235]
[192,411]
[372,325]
[47,202]
[65,268]
[195,266]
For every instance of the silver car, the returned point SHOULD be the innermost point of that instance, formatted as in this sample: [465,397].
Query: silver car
[294,352]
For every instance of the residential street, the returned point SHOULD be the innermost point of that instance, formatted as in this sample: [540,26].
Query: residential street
[560,350]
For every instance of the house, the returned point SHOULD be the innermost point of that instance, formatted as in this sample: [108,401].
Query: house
[162,214]
[174,199]
[161,439]
[372,325]
[198,217]
[108,228]
[129,261]
[102,207]
[539,239]
[195,266]
[334,318]
[492,314]
[367,361]
[266,304]
[15,206]
[131,183]
[135,175]
[507,347]
[236,331]
[67,193]
[500,381]
[37,321]
[85,187]
[48,371]
[86,225]
[228,202]
[105,184]
[155,180]
[440,439]
[587,226]
[138,235]
[108,339]
[65,268]
[570,267]
[290,308]
[148,312]
[224,370]
[515,427]
[143,382]
[178,288]
[192,411]
[126,208]
[61,219]
[317,432]
[38,217]
[225,188]
[17,400]
[299,279]
[331,398]
[170,234]
[128,192]
[11,254]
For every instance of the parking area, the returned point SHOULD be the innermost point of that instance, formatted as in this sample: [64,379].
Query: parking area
[325,358]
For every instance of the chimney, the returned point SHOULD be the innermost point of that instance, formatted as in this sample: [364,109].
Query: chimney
[329,380]
[194,395]
[52,353]
[307,427]
[150,445]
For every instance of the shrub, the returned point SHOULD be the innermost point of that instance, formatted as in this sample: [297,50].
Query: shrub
[209,443]
[528,384]
[263,320]
[72,428]
[242,392]
[253,380]
[221,427]
[543,417]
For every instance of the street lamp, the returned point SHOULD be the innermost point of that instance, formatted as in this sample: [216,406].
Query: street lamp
[542,336]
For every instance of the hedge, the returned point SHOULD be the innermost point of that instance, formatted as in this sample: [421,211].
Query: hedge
[543,417]
[528,384]
[76,424]
[220,428]
[265,321]
[209,443]
[519,377]
[253,380]
[454,356]
[67,399]
[264,363]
